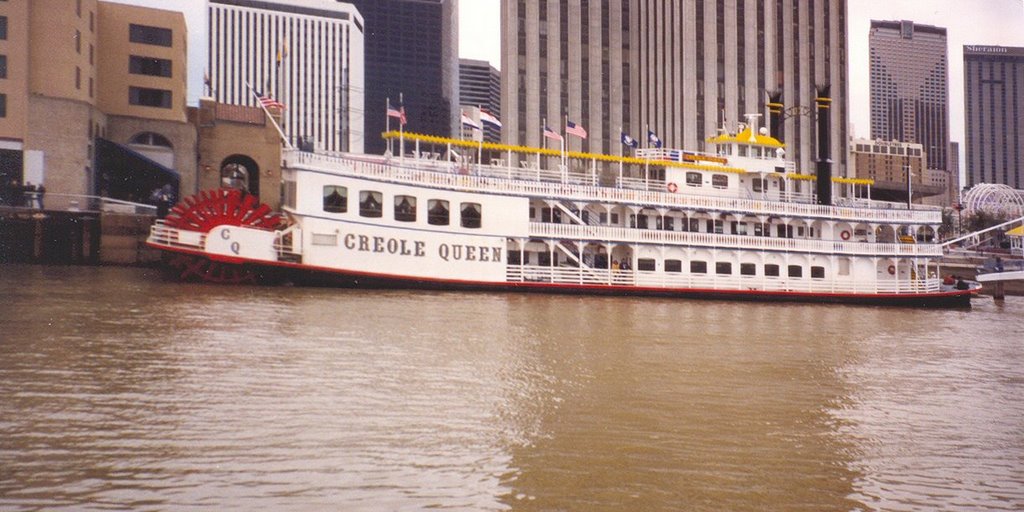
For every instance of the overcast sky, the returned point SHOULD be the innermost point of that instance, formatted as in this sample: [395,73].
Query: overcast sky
[991,22]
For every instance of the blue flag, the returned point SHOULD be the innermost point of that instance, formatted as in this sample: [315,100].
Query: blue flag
[629,141]
[653,138]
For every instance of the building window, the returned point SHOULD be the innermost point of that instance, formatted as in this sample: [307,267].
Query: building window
[405,208]
[149,66]
[437,212]
[3,66]
[698,267]
[471,215]
[673,266]
[371,204]
[149,35]
[3,105]
[335,199]
[151,139]
[3,28]
[78,78]
[149,97]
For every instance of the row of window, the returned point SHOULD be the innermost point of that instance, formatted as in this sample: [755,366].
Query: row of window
[724,268]
[371,205]
[717,226]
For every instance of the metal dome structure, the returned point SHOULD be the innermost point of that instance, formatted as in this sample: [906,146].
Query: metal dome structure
[994,198]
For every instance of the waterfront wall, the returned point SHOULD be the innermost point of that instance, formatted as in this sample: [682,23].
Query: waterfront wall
[74,238]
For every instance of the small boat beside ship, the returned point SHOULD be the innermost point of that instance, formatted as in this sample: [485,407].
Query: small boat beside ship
[737,222]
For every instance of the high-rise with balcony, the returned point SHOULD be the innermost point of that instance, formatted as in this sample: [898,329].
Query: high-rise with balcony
[308,54]
[909,79]
[994,104]
[680,68]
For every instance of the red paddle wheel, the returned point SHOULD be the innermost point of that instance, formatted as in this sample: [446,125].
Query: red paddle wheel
[207,210]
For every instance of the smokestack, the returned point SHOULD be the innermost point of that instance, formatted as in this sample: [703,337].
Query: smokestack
[823,102]
[775,114]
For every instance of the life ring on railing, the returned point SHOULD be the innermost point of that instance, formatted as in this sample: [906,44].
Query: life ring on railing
[672,187]
[845,235]
[892,270]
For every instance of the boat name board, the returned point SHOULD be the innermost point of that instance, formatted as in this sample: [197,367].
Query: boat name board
[418,248]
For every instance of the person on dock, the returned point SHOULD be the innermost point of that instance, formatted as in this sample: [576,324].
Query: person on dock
[40,192]
[999,264]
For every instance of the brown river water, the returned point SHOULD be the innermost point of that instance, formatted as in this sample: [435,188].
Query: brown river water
[121,391]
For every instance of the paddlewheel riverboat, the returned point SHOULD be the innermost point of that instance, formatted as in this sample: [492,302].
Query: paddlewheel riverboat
[740,222]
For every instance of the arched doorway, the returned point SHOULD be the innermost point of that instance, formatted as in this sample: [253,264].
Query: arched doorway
[241,172]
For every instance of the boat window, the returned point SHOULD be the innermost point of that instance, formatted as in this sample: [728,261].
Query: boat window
[405,208]
[758,229]
[748,269]
[514,258]
[335,199]
[545,214]
[719,226]
[669,224]
[817,272]
[759,185]
[325,239]
[743,150]
[603,218]
[647,264]
[437,212]
[694,225]
[371,203]
[615,219]
[641,221]
[723,267]
[471,215]
[673,266]
[771,270]
[544,258]
[720,180]
[796,271]
[698,267]
[693,179]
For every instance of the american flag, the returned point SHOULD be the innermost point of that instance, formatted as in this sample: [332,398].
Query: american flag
[575,129]
[551,134]
[489,118]
[268,101]
[397,112]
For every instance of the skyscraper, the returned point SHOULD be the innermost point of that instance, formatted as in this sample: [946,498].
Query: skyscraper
[681,68]
[411,49]
[308,54]
[480,86]
[910,87]
[994,103]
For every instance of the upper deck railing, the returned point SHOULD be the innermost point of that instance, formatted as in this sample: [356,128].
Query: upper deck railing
[581,187]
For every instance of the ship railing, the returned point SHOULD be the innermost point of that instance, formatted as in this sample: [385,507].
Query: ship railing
[443,174]
[709,282]
[161,234]
[723,241]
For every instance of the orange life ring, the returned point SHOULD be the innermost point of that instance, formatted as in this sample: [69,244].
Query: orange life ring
[845,235]
[672,187]
[892,270]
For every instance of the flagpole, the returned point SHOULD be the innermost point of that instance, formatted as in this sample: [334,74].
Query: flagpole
[647,160]
[284,138]
[401,127]
[622,154]
[387,123]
